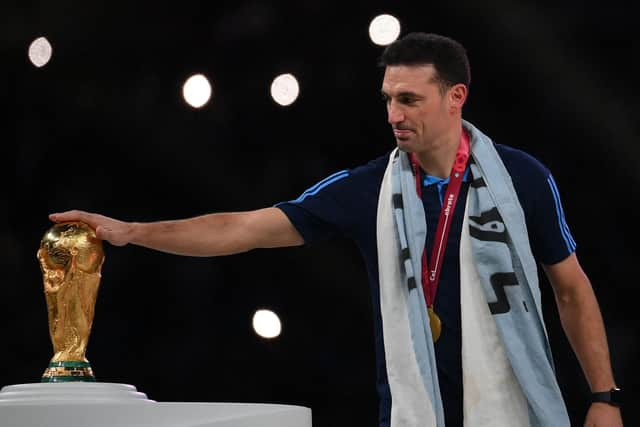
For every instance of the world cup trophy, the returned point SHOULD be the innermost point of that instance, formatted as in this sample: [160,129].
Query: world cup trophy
[71,258]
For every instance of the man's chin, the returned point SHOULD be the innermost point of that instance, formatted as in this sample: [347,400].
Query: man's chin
[405,145]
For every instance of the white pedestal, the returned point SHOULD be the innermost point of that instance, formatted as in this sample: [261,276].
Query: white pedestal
[120,405]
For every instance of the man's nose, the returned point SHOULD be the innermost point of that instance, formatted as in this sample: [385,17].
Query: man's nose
[395,114]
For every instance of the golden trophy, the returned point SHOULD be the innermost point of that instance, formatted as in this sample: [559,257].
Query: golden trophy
[71,259]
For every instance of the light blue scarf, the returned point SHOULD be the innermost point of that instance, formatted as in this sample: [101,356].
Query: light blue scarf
[504,266]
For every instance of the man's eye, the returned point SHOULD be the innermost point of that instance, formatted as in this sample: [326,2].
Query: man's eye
[407,100]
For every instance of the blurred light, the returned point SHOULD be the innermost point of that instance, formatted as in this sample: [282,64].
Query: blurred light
[384,29]
[40,51]
[285,89]
[196,90]
[266,324]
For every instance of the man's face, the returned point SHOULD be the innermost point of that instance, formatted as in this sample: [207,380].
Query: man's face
[417,111]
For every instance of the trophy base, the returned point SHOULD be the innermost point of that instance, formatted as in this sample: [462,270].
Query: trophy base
[70,393]
[121,405]
[63,372]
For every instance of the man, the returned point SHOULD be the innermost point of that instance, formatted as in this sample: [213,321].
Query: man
[450,226]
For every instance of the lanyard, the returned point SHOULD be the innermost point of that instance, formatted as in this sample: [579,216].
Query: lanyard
[431,271]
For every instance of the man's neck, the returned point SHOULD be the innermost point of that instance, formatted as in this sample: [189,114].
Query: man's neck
[438,160]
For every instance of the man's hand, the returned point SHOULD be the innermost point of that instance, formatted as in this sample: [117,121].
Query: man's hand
[118,233]
[603,415]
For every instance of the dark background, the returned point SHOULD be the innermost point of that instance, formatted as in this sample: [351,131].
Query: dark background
[103,127]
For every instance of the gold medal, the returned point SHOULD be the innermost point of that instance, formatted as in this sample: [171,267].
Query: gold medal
[435,324]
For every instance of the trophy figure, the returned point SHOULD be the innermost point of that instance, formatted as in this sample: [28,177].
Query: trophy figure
[70,258]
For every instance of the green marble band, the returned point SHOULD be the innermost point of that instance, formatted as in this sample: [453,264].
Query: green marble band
[68,379]
[69,364]
[68,371]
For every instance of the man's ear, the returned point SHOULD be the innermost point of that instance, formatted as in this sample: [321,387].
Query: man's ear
[457,97]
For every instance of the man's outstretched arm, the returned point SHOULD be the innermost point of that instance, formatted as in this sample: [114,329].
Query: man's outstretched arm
[206,235]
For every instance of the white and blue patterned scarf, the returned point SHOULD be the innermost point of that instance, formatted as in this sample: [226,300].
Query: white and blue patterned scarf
[508,374]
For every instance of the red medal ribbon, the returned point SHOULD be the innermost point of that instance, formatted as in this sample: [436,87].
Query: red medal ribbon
[431,271]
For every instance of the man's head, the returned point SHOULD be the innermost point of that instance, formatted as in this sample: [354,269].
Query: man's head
[448,57]
[425,85]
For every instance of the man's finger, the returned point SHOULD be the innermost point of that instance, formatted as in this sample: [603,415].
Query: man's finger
[73,216]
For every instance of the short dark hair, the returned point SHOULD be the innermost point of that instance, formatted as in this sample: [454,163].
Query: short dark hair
[448,57]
